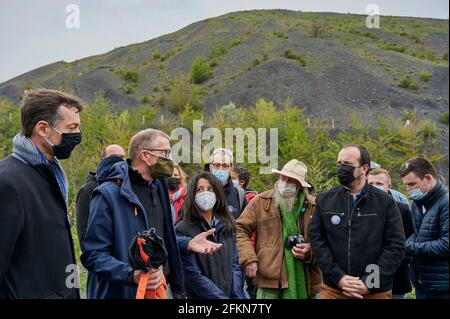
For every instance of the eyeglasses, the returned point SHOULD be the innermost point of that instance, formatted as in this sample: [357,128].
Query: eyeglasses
[219,166]
[164,153]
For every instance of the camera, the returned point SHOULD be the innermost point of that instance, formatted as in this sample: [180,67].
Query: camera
[293,240]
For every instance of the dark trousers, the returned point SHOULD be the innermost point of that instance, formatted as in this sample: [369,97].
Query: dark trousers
[251,287]
[422,294]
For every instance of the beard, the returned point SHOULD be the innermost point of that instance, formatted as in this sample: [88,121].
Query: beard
[285,203]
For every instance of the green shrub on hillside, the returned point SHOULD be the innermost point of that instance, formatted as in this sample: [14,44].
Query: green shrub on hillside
[182,92]
[407,83]
[288,54]
[425,76]
[200,70]
[444,118]
[235,42]
[130,79]
[393,47]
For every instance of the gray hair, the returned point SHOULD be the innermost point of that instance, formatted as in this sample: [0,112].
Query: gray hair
[224,151]
[144,139]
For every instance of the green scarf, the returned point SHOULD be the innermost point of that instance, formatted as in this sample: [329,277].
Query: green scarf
[295,267]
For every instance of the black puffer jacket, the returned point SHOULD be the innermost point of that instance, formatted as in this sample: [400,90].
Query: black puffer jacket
[355,239]
[429,244]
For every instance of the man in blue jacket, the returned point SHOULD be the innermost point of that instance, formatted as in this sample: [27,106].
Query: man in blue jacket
[428,245]
[134,197]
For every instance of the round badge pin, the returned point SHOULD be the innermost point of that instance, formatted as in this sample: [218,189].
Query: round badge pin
[335,220]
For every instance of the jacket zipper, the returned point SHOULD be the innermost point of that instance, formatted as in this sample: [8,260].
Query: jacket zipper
[349,222]
[350,225]
[363,215]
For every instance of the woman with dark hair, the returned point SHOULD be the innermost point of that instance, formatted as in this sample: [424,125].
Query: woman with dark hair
[218,275]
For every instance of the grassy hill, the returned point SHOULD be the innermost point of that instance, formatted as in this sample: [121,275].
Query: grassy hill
[329,63]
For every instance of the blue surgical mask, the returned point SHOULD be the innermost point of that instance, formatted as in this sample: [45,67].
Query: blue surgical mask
[221,175]
[417,194]
[236,183]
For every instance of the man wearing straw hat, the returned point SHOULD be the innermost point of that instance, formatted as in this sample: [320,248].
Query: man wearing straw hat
[281,259]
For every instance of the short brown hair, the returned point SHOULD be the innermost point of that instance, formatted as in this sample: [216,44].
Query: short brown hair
[379,171]
[419,166]
[43,105]
[144,140]
[363,152]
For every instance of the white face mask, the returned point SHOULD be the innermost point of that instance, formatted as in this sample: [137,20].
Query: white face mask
[236,183]
[287,189]
[205,200]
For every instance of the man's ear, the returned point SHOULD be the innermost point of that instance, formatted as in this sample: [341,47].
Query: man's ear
[366,173]
[141,156]
[41,128]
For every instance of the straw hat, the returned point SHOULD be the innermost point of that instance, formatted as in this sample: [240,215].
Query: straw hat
[296,170]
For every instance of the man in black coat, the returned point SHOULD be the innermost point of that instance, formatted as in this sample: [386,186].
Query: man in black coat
[356,233]
[111,154]
[221,166]
[381,179]
[37,258]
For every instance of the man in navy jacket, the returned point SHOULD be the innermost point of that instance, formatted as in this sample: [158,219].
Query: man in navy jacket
[131,199]
[428,245]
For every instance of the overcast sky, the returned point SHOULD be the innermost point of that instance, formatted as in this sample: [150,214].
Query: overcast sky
[34,33]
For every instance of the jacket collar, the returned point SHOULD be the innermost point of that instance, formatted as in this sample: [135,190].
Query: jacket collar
[217,224]
[363,192]
[105,165]
[432,197]
[228,187]
[119,173]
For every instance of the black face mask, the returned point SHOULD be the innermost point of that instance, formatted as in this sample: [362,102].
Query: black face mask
[173,183]
[345,174]
[68,142]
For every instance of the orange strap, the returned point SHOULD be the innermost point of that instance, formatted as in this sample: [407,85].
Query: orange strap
[140,294]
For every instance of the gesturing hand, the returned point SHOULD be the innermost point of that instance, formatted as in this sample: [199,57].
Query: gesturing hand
[199,244]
